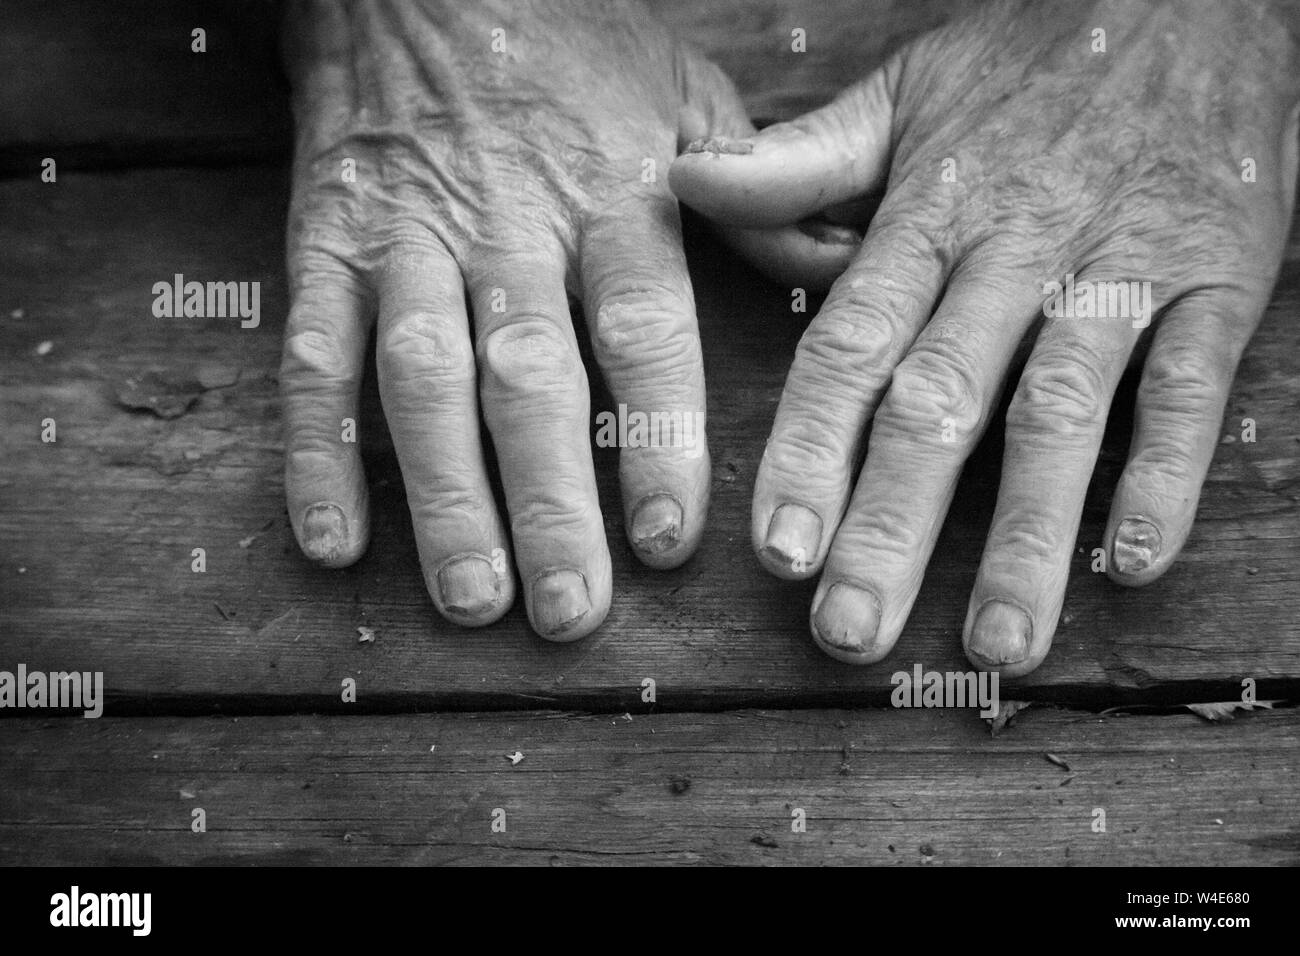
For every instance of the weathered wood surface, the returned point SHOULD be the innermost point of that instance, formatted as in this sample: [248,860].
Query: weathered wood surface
[98,527]
[113,84]
[96,532]
[888,788]
[155,102]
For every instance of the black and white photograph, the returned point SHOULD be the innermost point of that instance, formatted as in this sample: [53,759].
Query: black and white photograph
[637,433]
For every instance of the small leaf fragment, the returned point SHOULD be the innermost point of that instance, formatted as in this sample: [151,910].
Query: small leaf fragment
[1227,709]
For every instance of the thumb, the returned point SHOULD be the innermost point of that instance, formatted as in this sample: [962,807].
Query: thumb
[789,171]
[806,254]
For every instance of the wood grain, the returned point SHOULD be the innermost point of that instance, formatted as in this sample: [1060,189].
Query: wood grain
[98,528]
[879,787]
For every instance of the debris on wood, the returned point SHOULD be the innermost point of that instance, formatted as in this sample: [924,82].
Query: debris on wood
[44,348]
[367,635]
[166,394]
[169,393]
[248,542]
[1227,710]
[1052,758]
[515,757]
[187,794]
[216,375]
[1007,710]
[225,615]
[17,314]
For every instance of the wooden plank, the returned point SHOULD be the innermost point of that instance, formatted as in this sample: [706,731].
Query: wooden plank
[155,102]
[877,787]
[99,526]
[114,84]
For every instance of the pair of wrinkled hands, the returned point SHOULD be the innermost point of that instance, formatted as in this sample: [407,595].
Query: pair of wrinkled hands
[498,153]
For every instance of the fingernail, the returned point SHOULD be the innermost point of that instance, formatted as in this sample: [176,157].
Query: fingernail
[848,617]
[717,145]
[830,233]
[1001,634]
[560,600]
[656,524]
[1137,545]
[324,531]
[469,585]
[794,536]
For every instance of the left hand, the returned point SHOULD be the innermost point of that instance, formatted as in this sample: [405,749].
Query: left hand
[1018,154]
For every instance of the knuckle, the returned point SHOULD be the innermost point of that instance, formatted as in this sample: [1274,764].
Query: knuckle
[852,342]
[934,388]
[915,224]
[550,516]
[422,346]
[652,330]
[886,529]
[399,245]
[315,360]
[1181,378]
[1060,392]
[1165,469]
[317,246]
[1027,535]
[312,446]
[529,354]
[440,506]
[806,454]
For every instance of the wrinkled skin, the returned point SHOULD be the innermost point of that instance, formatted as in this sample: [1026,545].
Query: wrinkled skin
[490,186]
[1118,165]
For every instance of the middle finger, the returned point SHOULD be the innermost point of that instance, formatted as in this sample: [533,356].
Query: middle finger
[930,420]
[537,407]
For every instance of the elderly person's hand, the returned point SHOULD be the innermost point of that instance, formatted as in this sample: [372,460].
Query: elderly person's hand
[460,170]
[1032,153]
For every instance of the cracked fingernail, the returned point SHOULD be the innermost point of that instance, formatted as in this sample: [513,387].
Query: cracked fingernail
[656,524]
[560,600]
[717,145]
[848,617]
[1001,634]
[1137,545]
[469,586]
[794,536]
[324,531]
